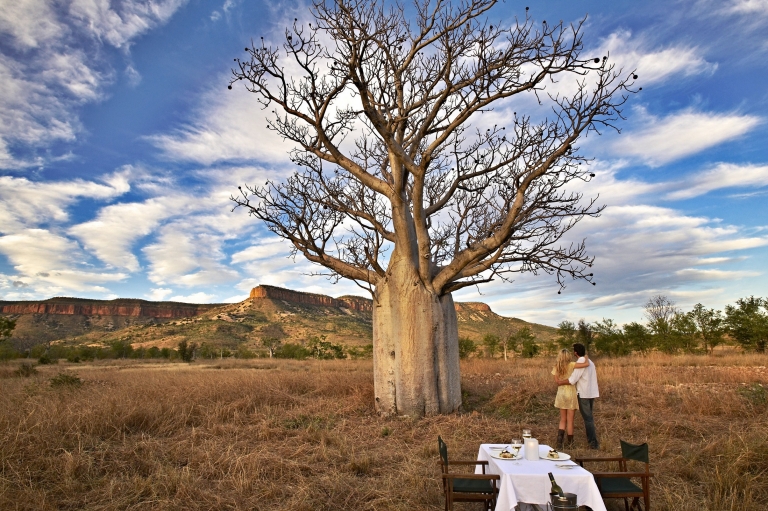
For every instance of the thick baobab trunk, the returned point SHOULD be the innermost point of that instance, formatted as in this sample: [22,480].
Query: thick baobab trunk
[415,348]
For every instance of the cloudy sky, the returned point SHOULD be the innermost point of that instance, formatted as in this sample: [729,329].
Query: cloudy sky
[120,146]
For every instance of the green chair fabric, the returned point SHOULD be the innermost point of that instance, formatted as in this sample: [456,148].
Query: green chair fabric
[634,452]
[472,486]
[466,487]
[618,485]
[443,450]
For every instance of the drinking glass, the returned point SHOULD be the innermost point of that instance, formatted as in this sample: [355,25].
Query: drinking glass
[516,444]
[526,434]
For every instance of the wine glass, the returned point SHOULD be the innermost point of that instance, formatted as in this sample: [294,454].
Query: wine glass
[516,444]
[526,434]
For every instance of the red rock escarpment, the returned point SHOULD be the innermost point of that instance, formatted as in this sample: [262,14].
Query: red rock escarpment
[350,302]
[472,306]
[119,307]
[278,293]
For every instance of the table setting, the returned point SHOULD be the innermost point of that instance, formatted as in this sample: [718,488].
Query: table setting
[524,468]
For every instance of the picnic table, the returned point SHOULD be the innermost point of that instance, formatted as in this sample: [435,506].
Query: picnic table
[526,481]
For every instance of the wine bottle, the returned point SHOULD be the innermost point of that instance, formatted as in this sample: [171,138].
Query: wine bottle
[556,487]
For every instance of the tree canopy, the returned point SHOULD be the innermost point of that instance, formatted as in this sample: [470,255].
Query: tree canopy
[385,108]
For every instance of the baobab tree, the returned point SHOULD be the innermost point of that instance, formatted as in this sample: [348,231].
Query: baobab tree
[405,187]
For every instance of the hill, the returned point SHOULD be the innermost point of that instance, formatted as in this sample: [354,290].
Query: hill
[268,312]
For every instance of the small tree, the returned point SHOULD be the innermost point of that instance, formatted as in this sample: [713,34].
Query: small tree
[187,351]
[272,337]
[685,334]
[527,341]
[659,311]
[584,334]
[322,349]
[428,199]
[638,337]
[466,347]
[510,345]
[747,322]
[609,338]
[566,334]
[122,349]
[491,343]
[711,327]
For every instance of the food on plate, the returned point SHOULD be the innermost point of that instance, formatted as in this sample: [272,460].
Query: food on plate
[553,454]
[506,454]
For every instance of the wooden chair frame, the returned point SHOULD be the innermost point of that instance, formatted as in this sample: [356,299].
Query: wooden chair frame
[623,473]
[450,479]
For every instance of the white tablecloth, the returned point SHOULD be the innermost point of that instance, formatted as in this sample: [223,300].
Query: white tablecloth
[527,481]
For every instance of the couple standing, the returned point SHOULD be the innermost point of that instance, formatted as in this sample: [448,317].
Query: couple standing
[577,388]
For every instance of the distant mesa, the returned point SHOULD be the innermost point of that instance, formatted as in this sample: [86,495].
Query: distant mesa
[119,307]
[174,310]
[357,303]
[472,306]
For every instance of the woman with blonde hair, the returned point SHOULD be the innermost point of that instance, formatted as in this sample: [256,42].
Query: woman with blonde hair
[566,399]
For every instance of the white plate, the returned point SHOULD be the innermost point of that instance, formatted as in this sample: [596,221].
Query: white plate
[566,466]
[497,455]
[562,457]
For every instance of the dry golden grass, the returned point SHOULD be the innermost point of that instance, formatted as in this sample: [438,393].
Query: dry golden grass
[303,435]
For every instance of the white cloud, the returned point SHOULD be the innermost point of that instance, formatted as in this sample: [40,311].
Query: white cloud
[724,175]
[50,263]
[200,297]
[30,22]
[111,234]
[267,249]
[653,65]
[747,7]
[230,126]
[58,65]
[661,140]
[28,203]
[118,23]
[158,294]
[185,256]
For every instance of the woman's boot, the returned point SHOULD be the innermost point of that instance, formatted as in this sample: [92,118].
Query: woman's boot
[569,443]
[560,437]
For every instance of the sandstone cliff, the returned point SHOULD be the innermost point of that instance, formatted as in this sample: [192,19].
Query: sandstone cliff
[119,307]
[278,293]
[357,303]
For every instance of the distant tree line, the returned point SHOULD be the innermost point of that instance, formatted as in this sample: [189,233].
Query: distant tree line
[666,329]
[272,345]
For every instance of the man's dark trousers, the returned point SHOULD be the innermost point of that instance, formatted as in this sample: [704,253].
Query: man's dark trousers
[585,407]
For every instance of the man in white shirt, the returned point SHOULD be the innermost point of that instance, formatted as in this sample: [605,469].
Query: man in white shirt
[585,379]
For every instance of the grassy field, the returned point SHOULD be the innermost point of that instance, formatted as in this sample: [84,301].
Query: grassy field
[289,435]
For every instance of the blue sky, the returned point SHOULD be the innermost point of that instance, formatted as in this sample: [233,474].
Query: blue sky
[120,146]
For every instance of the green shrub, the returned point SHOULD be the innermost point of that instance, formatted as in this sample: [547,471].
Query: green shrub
[756,394]
[244,352]
[321,349]
[466,347]
[25,370]
[187,351]
[361,352]
[8,352]
[292,350]
[529,349]
[66,380]
[45,358]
